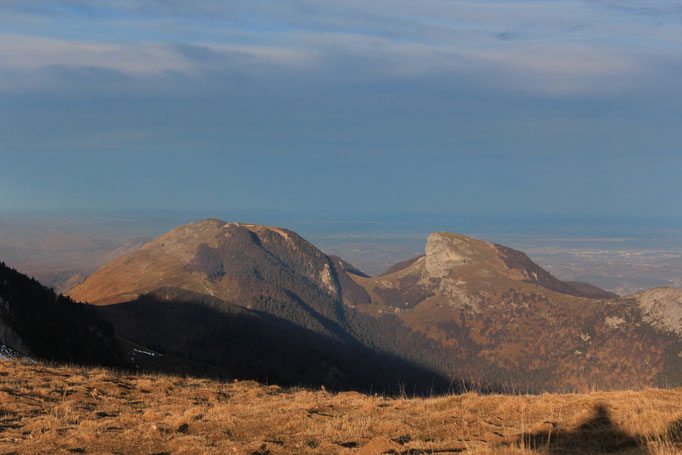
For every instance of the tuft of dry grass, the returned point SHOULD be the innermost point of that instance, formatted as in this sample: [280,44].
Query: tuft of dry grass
[48,409]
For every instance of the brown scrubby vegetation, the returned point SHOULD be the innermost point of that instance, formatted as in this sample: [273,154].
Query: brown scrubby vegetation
[64,409]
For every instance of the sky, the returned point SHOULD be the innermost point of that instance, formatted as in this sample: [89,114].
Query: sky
[326,106]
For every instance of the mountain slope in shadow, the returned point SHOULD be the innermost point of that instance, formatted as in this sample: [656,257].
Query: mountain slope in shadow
[35,321]
[249,344]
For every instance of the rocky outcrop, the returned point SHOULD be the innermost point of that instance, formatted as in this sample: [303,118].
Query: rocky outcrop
[444,251]
[662,308]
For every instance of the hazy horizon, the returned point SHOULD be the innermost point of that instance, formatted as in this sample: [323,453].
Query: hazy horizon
[618,253]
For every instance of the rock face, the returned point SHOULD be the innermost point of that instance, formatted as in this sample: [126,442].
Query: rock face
[443,253]
[662,308]
[501,316]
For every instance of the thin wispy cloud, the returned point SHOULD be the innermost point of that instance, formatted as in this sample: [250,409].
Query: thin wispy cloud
[436,99]
[569,43]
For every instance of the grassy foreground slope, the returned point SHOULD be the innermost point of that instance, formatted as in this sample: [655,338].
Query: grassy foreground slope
[45,409]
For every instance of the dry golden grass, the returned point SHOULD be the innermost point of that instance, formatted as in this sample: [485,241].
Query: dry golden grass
[46,409]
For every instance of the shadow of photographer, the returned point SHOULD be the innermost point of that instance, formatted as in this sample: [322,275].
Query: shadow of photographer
[598,434]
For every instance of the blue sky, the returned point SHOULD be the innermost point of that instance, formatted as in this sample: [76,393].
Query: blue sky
[565,107]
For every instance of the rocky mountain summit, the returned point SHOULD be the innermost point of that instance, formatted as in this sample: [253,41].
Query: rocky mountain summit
[662,308]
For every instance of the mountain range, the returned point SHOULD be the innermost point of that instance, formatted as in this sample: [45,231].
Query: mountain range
[249,299]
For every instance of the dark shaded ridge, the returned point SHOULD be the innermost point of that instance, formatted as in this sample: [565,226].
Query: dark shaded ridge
[350,290]
[251,344]
[54,327]
[330,325]
[592,291]
[347,267]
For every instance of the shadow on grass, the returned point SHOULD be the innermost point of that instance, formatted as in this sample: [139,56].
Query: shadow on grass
[597,435]
[673,434]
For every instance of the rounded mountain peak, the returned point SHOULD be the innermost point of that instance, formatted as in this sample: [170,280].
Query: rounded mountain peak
[445,251]
[209,231]
[216,258]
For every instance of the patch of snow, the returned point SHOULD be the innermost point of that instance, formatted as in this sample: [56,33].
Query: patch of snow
[585,336]
[6,353]
[140,351]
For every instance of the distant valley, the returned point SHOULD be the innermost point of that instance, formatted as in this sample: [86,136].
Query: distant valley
[58,258]
[612,266]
